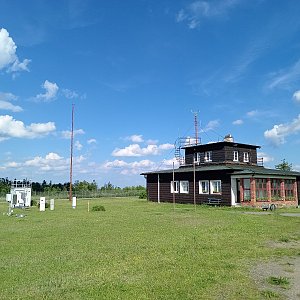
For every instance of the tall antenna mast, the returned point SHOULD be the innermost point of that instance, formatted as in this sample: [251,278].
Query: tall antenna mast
[71,154]
[196,125]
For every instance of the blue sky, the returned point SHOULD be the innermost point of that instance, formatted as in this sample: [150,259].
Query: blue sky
[135,70]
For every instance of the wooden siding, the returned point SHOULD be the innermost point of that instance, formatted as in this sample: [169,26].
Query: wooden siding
[220,153]
[167,196]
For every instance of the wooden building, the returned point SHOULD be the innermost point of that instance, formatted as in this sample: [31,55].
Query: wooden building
[225,173]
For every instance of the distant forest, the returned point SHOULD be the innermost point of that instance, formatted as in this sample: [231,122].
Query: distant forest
[77,186]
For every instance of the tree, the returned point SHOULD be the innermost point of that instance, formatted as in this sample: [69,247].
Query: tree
[284,166]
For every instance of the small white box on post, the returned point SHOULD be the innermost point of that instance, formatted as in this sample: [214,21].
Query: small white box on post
[51,204]
[8,198]
[42,203]
[74,202]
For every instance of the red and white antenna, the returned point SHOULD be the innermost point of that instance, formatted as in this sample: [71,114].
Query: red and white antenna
[71,154]
[196,125]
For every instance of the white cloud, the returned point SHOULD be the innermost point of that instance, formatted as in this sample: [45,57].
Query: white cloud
[135,138]
[296,96]
[8,97]
[197,11]
[92,141]
[266,157]
[166,146]
[211,125]
[50,93]
[238,122]
[284,78]
[136,150]
[252,113]
[126,168]
[278,133]
[8,57]
[53,156]
[66,134]
[78,146]
[70,94]
[5,105]
[11,128]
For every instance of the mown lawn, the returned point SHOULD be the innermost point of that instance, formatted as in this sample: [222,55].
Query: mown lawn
[136,250]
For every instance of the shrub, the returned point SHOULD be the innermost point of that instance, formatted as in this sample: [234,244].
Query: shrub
[33,202]
[143,195]
[98,208]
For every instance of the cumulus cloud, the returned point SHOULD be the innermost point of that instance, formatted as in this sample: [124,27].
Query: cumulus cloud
[197,11]
[135,138]
[238,122]
[278,133]
[126,168]
[11,128]
[8,57]
[66,134]
[296,96]
[137,167]
[136,150]
[50,93]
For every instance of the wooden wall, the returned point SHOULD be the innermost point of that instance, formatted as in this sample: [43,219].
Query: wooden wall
[167,196]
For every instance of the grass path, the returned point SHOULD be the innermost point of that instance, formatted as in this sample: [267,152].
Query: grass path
[137,250]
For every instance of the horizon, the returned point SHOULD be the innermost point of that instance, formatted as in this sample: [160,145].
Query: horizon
[136,72]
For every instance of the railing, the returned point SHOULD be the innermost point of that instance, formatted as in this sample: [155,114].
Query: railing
[260,161]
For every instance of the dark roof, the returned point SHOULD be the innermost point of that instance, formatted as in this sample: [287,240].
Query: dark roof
[235,170]
[223,143]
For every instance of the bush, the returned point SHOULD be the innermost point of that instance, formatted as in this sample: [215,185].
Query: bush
[98,208]
[143,195]
[33,202]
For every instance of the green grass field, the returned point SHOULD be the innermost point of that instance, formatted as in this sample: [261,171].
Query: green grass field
[137,250]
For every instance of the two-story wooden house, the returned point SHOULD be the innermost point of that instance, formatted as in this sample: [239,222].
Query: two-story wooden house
[227,172]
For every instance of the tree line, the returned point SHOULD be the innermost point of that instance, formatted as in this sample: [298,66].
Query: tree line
[77,186]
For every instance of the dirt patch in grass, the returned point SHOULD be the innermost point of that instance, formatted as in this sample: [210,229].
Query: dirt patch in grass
[279,278]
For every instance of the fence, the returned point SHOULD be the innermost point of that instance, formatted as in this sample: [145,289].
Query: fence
[81,194]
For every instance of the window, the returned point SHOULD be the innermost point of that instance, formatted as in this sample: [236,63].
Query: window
[289,189]
[215,186]
[203,187]
[235,155]
[174,187]
[247,192]
[246,156]
[184,187]
[207,156]
[197,158]
[261,189]
[275,189]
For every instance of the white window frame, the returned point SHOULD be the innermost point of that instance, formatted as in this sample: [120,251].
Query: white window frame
[208,156]
[197,158]
[184,187]
[212,187]
[235,155]
[174,187]
[246,157]
[206,183]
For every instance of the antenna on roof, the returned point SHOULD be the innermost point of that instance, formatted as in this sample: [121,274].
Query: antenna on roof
[196,125]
